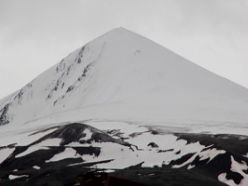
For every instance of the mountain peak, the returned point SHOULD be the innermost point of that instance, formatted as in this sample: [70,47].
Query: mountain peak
[119,33]
[119,29]
[124,75]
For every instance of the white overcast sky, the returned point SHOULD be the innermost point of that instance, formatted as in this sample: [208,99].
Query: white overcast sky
[36,34]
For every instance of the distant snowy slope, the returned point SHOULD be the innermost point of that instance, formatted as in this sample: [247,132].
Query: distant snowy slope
[123,75]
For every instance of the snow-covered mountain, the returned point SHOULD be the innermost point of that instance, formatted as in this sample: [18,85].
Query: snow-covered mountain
[122,101]
[124,75]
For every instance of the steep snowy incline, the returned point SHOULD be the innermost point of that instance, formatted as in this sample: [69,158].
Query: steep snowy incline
[122,75]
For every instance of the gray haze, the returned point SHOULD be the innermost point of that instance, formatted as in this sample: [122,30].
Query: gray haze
[36,34]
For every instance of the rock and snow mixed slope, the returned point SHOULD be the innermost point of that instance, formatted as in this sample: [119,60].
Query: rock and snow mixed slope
[123,101]
[43,156]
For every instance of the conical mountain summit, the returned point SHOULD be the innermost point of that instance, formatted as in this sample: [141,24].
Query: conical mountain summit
[122,75]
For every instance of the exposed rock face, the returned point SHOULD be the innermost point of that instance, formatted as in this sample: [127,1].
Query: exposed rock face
[3,115]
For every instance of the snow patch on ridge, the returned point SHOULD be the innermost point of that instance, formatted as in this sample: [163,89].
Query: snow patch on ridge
[67,153]
[14,177]
[5,153]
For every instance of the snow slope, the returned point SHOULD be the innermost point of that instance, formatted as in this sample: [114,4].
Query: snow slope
[124,76]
